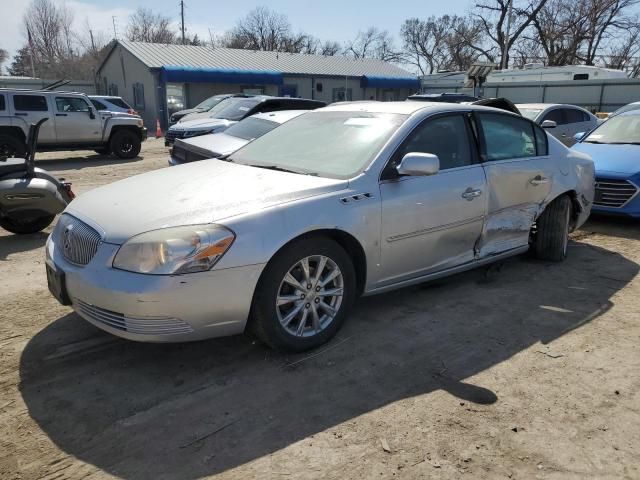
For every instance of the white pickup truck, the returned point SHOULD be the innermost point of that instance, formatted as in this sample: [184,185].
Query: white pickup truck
[74,124]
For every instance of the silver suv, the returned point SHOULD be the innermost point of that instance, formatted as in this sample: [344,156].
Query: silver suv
[73,124]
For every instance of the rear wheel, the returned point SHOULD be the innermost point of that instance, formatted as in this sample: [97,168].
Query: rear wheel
[552,232]
[125,144]
[304,295]
[26,225]
[12,146]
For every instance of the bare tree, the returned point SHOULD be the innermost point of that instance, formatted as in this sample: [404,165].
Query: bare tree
[4,56]
[494,19]
[146,26]
[261,29]
[558,30]
[373,43]
[623,53]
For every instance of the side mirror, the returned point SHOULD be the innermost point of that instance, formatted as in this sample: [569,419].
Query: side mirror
[549,124]
[579,136]
[92,113]
[419,164]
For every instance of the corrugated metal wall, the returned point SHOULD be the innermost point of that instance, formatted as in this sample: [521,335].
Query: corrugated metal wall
[601,96]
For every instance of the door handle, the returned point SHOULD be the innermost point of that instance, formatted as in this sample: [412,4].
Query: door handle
[539,180]
[61,114]
[470,193]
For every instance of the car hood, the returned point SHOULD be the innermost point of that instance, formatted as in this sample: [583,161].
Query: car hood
[201,124]
[195,193]
[215,144]
[612,158]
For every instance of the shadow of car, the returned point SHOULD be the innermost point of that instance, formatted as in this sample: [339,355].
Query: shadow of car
[191,410]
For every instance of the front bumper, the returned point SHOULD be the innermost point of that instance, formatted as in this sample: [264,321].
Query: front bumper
[157,308]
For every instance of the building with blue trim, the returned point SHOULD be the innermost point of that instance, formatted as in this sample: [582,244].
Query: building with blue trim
[158,79]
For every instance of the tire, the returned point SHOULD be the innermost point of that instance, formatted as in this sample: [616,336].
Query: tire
[103,151]
[268,320]
[12,146]
[29,225]
[552,233]
[125,144]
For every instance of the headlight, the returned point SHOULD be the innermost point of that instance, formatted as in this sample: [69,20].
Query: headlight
[141,123]
[176,250]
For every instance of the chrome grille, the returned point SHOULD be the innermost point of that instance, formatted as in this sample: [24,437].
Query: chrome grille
[126,323]
[614,193]
[77,240]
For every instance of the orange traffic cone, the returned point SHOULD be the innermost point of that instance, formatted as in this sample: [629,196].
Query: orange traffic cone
[158,129]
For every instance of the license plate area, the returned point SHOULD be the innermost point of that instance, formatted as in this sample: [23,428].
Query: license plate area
[57,284]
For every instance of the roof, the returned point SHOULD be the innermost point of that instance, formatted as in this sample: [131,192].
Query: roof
[540,106]
[157,55]
[405,108]
[280,116]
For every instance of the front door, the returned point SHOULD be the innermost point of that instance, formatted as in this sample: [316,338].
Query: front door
[519,177]
[431,223]
[74,123]
[32,108]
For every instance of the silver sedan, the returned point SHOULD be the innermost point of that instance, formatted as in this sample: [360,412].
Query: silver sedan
[353,199]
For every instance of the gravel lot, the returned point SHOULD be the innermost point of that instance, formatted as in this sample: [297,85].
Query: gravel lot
[525,370]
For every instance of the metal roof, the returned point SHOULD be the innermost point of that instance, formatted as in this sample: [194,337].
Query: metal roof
[157,55]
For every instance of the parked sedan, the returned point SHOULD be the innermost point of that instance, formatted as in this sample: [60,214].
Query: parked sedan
[615,148]
[232,110]
[236,136]
[627,108]
[353,199]
[203,106]
[562,121]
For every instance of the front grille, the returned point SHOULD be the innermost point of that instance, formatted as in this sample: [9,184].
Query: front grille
[613,193]
[171,135]
[77,240]
[185,156]
[126,323]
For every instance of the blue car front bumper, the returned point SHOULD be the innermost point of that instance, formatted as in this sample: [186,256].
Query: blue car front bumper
[617,194]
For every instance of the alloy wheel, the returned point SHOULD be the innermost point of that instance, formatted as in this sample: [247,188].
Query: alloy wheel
[310,296]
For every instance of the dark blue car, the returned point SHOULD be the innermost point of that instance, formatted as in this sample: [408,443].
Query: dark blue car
[614,147]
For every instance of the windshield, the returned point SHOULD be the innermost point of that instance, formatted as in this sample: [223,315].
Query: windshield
[233,108]
[209,103]
[626,108]
[621,129]
[530,113]
[328,144]
[251,128]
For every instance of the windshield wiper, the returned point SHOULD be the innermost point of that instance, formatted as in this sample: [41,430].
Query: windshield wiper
[278,169]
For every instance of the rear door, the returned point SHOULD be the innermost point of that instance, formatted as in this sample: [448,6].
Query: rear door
[33,107]
[74,123]
[431,223]
[519,178]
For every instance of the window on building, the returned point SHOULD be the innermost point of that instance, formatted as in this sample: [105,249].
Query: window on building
[581,76]
[71,104]
[338,95]
[175,97]
[138,96]
[30,103]
[3,105]
[319,86]
[507,136]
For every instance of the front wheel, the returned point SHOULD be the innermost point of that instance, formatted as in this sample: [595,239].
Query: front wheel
[26,225]
[552,232]
[11,146]
[304,295]
[125,144]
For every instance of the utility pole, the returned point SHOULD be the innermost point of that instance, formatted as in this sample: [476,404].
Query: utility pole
[182,19]
[115,30]
[211,39]
[93,44]
[505,52]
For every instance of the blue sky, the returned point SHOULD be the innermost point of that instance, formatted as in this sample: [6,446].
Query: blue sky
[327,19]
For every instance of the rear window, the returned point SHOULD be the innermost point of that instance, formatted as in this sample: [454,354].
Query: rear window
[2,103]
[30,103]
[118,102]
[251,128]
[233,108]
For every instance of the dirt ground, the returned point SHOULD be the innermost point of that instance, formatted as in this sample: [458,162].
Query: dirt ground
[526,370]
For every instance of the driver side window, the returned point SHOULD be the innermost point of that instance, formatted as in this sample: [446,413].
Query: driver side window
[445,136]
